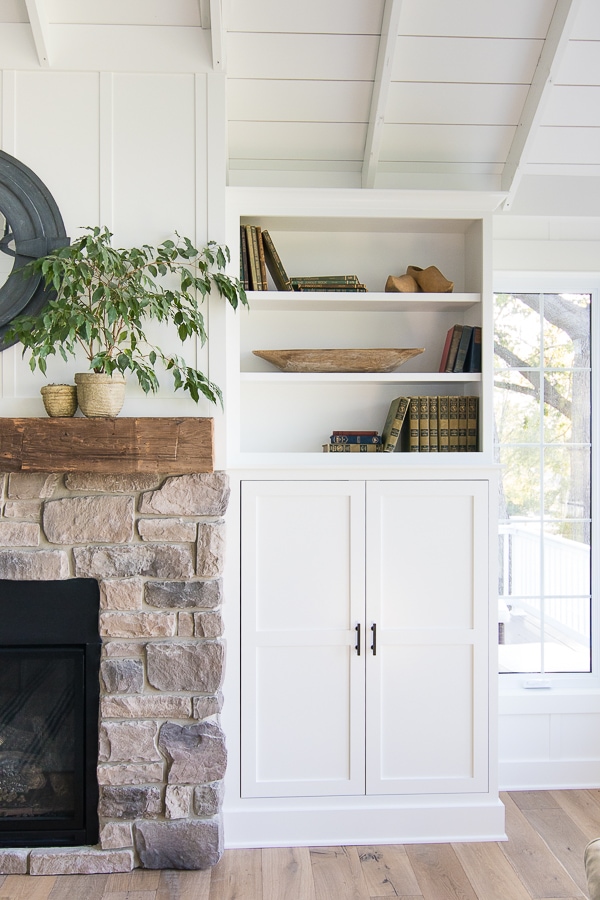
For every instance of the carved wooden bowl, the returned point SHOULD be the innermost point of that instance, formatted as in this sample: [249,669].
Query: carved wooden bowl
[358,360]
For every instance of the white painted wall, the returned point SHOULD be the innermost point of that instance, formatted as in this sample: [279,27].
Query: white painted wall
[548,738]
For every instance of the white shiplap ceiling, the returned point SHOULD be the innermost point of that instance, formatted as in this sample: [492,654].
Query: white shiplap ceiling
[440,94]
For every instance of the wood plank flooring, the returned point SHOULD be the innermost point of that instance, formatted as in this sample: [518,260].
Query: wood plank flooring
[542,860]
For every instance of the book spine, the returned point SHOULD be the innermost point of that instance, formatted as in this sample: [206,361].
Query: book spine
[463,346]
[394,423]
[455,341]
[453,424]
[274,264]
[446,350]
[261,260]
[413,432]
[252,258]
[423,424]
[472,423]
[462,424]
[361,433]
[443,424]
[433,425]
[330,286]
[325,279]
[244,259]
[355,439]
[473,360]
[351,448]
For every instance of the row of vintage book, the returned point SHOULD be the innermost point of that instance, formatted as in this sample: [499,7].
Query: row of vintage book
[258,254]
[462,349]
[424,424]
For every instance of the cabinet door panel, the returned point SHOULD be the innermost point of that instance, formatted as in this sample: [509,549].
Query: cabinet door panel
[302,680]
[427,592]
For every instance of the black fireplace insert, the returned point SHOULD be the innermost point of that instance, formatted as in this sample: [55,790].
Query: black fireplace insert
[49,696]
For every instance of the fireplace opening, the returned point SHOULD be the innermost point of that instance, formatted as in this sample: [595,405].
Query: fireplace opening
[49,696]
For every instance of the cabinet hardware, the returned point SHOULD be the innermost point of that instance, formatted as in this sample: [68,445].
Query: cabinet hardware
[357,647]
[374,644]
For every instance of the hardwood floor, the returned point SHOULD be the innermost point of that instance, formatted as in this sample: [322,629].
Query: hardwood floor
[542,859]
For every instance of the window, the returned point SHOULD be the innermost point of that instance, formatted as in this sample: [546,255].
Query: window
[542,406]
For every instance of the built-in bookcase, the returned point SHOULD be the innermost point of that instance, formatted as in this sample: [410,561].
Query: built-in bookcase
[371,235]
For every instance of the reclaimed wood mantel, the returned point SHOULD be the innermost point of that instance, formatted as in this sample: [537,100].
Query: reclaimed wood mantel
[107,445]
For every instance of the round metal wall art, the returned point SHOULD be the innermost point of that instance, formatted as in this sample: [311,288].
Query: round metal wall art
[33,227]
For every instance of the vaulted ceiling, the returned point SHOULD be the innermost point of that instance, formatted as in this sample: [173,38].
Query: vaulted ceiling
[440,94]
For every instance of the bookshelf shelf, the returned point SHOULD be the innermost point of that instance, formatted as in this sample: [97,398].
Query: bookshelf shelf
[438,378]
[297,301]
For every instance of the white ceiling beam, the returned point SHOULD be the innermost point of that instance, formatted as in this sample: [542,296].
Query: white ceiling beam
[556,41]
[38,20]
[383,76]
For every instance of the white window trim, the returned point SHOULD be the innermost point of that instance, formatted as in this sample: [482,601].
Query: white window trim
[512,684]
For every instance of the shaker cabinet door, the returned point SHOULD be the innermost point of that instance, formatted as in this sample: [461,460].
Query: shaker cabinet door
[427,596]
[302,680]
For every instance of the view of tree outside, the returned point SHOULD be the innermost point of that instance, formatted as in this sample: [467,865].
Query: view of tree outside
[542,406]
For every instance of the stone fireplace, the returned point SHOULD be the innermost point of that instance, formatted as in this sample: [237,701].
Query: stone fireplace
[155,545]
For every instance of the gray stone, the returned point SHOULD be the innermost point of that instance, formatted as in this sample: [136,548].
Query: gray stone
[185,666]
[115,835]
[187,844]
[208,624]
[125,676]
[125,594]
[184,594]
[122,624]
[23,509]
[31,485]
[178,801]
[19,534]
[195,754]
[80,861]
[111,484]
[150,560]
[126,773]
[34,565]
[189,495]
[128,742]
[14,862]
[203,707]
[210,549]
[130,802]
[145,706]
[208,798]
[167,530]
[81,520]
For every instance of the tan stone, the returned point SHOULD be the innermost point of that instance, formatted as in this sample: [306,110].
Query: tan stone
[125,593]
[123,648]
[122,624]
[150,560]
[114,835]
[128,742]
[14,862]
[19,534]
[83,520]
[208,624]
[145,706]
[189,495]
[111,484]
[80,861]
[34,565]
[185,666]
[31,485]
[203,707]
[210,551]
[186,624]
[23,509]
[166,530]
[195,754]
[130,774]
[130,801]
[178,801]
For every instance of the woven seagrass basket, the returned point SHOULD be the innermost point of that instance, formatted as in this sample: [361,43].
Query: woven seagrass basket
[59,399]
[100,395]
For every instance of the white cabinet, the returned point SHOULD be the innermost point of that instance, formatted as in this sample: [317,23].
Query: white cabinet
[398,571]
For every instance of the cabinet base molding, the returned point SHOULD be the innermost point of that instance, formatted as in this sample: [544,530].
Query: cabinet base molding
[431,823]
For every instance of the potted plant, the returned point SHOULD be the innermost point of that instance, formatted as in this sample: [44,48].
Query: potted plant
[101,297]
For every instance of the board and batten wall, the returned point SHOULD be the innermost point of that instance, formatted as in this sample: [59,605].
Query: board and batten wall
[140,152]
[549,738]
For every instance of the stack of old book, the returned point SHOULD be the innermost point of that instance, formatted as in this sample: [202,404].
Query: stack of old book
[438,424]
[259,255]
[354,442]
[462,349]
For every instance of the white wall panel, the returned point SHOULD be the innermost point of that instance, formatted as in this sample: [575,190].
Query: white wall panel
[580,64]
[296,140]
[465,59]
[330,56]
[461,104]
[577,146]
[568,105]
[464,18]
[334,16]
[298,101]
[150,12]
[587,23]
[449,143]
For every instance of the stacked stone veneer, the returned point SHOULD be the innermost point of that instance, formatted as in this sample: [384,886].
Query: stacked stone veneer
[155,544]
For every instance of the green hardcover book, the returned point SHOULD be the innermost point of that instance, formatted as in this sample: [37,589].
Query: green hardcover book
[261,259]
[443,424]
[274,264]
[311,279]
[413,430]
[244,263]
[423,424]
[254,263]
[472,423]
[393,423]
[453,424]
[433,424]
[462,424]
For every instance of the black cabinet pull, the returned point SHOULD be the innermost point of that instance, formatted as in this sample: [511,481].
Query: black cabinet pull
[374,644]
[357,647]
